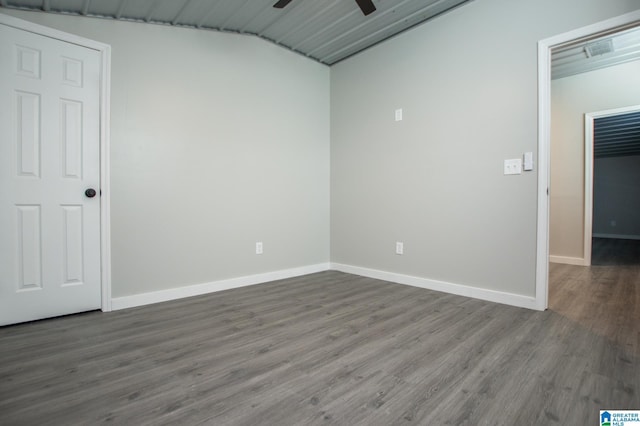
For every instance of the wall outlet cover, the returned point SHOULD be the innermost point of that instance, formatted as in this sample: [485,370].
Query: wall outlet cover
[513,166]
[399,248]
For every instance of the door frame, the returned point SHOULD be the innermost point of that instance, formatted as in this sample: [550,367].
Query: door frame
[589,140]
[104,139]
[545,46]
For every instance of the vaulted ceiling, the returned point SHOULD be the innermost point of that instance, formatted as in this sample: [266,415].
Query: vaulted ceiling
[325,30]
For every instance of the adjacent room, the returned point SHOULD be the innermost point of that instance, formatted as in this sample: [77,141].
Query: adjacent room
[314,212]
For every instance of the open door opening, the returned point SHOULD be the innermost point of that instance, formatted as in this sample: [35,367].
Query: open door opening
[612,170]
[545,51]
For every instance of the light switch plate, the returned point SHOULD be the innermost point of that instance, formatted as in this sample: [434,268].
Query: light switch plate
[528,161]
[399,114]
[513,166]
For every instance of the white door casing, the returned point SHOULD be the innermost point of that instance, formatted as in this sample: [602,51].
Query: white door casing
[50,153]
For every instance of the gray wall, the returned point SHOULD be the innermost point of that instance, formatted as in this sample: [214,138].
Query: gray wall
[241,151]
[468,85]
[217,141]
[571,98]
[616,197]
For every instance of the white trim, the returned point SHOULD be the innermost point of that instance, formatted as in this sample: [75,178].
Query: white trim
[578,261]
[458,289]
[105,105]
[105,175]
[588,188]
[21,24]
[544,137]
[618,236]
[211,287]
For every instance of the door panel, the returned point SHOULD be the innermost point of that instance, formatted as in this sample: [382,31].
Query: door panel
[49,156]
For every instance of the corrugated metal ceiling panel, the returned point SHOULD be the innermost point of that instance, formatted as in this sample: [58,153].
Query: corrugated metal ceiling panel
[381,27]
[617,136]
[325,30]
[573,59]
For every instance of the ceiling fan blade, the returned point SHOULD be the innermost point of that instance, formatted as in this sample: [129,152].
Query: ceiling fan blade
[281,3]
[366,6]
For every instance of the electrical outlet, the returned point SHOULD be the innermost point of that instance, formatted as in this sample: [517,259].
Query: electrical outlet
[399,248]
[259,248]
[513,166]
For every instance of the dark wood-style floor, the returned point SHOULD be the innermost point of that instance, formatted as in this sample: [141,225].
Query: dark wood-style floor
[615,252]
[335,349]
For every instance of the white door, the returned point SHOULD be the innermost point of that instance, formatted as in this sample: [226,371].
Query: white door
[49,157]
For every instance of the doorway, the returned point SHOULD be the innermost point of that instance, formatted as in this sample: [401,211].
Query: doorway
[612,157]
[545,48]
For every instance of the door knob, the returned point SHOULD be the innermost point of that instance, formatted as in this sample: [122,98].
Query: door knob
[90,192]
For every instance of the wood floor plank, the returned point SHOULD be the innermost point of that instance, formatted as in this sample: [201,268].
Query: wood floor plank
[335,349]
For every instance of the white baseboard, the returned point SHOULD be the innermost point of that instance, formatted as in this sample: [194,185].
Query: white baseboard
[204,288]
[579,261]
[618,236]
[446,287]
